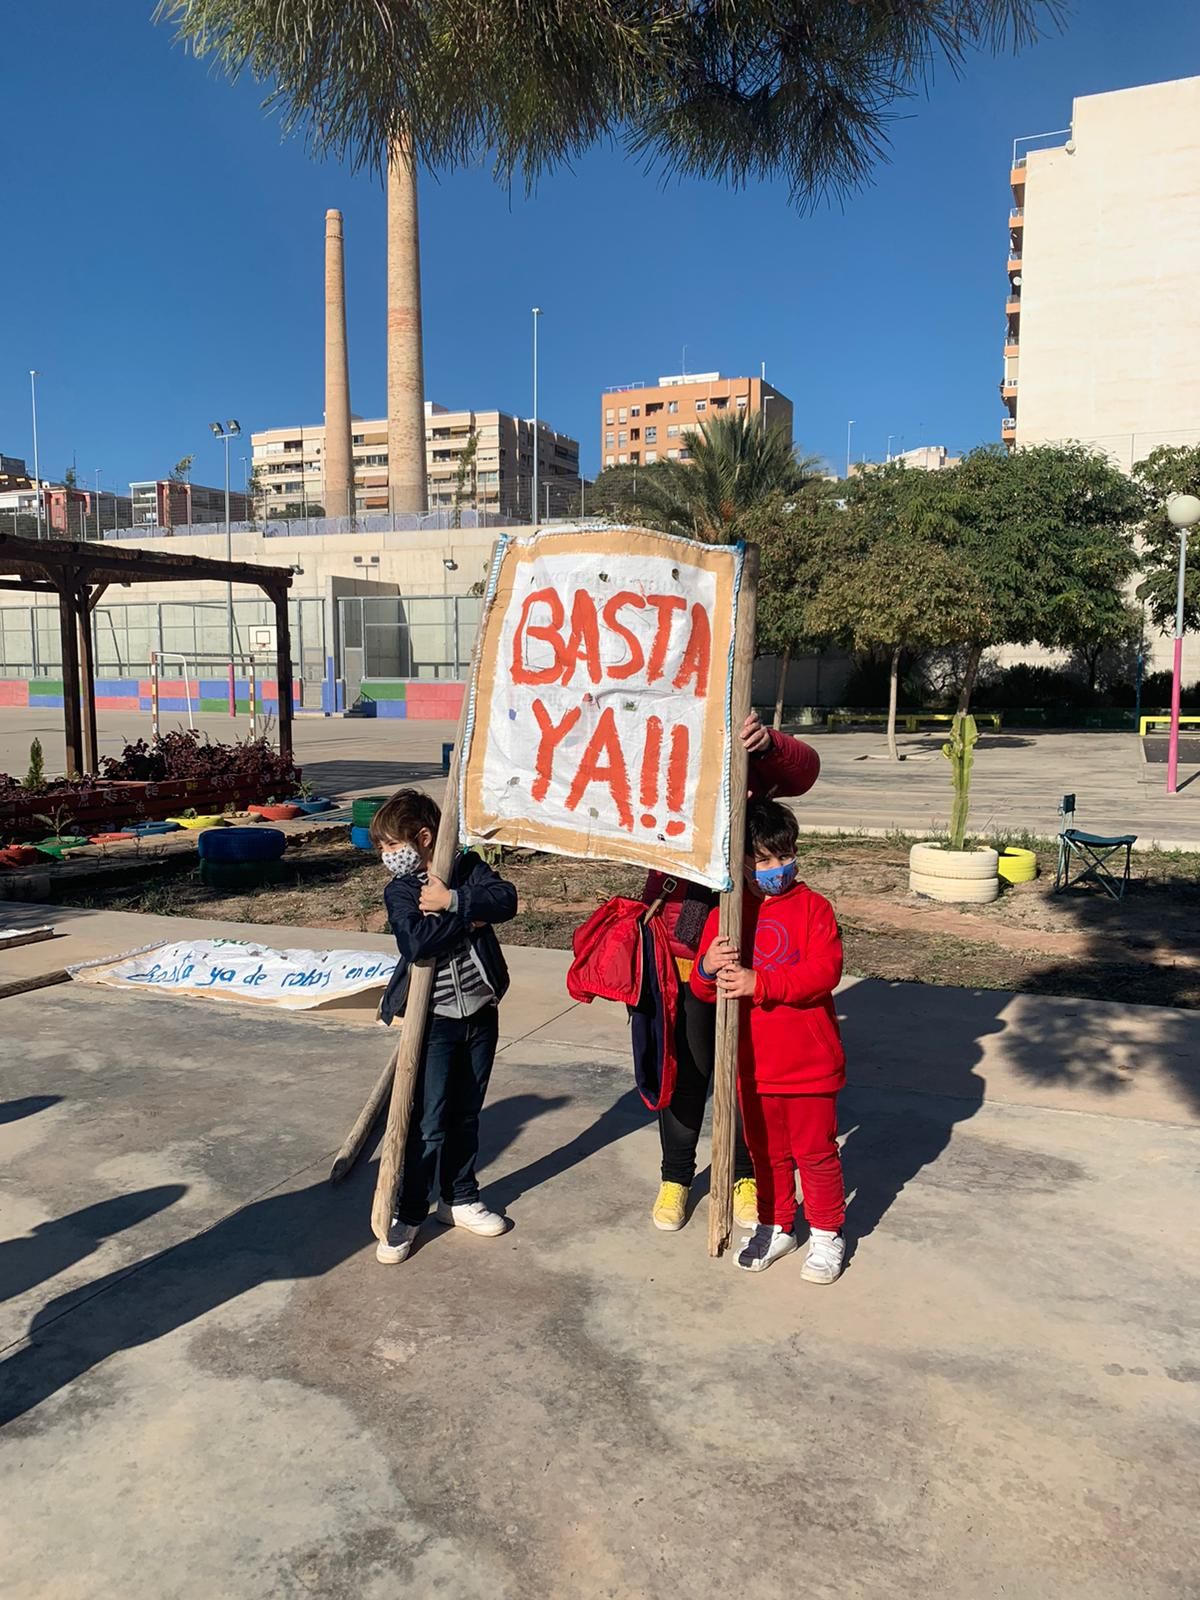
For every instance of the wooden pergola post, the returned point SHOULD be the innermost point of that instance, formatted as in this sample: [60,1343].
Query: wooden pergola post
[68,627]
[283,671]
[87,687]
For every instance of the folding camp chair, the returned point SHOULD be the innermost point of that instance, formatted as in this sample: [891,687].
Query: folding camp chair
[1091,853]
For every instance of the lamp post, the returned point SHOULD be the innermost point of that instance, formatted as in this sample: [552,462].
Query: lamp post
[849,430]
[1183,512]
[98,471]
[37,471]
[533,499]
[225,432]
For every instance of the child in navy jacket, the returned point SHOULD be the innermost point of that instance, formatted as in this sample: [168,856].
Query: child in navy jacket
[452,924]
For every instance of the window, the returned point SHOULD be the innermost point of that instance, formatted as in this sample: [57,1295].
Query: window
[635,411]
[743,400]
[634,457]
[685,454]
[609,441]
[701,405]
[621,417]
[608,416]
[718,404]
[358,438]
[673,431]
[635,433]
[672,455]
[651,455]
[623,461]
[654,408]
[651,435]
[672,406]
[622,438]
[608,460]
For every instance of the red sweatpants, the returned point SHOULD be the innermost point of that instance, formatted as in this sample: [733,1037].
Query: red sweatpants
[790,1132]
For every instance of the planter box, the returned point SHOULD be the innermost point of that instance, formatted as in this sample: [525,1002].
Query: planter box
[108,806]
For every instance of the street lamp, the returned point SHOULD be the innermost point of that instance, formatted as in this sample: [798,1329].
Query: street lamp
[537,311]
[37,472]
[98,472]
[225,432]
[1183,512]
[849,429]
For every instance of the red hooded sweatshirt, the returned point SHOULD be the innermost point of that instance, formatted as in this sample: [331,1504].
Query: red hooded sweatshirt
[791,1044]
[786,768]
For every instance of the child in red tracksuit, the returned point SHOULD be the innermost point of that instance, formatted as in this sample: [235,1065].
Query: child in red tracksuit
[790,1061]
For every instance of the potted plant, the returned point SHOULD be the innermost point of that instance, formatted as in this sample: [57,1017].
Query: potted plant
[952,872]
[310,804]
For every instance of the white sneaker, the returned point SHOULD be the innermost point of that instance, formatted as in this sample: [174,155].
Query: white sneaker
[765,1246]
[399,1243]
[825,1258]
[474,1216]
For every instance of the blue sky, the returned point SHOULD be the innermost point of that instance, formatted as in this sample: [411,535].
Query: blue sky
[162,263]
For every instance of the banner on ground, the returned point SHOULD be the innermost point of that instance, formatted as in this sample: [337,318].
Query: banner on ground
[599,718]
[234,969]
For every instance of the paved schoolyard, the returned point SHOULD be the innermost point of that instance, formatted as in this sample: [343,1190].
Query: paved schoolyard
[211,1389]
[1019,777]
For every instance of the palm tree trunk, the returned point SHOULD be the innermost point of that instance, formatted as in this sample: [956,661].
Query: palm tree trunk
[893,698]
[405,359]
[974,656]
[785,662]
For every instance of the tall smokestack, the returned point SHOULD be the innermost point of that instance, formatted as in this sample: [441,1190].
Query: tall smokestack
[339,451]
[405,361]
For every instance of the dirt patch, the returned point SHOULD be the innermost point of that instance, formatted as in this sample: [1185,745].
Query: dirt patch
[1144,949]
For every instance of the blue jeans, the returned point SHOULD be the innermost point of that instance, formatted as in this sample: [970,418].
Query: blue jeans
[443,1130]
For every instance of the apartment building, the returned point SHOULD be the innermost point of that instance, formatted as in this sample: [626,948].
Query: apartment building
[172,503]
[642,423]
[481,460]
[1102,338]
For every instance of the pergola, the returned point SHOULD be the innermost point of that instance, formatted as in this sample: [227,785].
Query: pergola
[79,573]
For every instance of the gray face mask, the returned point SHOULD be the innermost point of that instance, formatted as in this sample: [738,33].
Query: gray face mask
[401,862]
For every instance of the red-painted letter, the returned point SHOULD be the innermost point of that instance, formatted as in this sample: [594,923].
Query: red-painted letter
[666,605]
[552,735]
[696,654]
[604,742]
[551,632]
[637,658]
[583,643]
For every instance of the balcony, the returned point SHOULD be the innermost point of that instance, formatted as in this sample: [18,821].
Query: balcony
[1013,305]
[1016,218]
[1008,429]
[1012,350]
[1014,262]
[1008,392]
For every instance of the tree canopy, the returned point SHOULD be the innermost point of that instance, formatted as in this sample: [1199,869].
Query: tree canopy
[799,93]
[1172,469]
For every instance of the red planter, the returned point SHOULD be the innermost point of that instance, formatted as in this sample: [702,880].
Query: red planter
[276,813]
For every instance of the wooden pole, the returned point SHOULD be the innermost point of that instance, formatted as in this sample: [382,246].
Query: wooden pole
[357,1137]
[724,1113]
[68,628]
[283,672]
[91,749]
[416,1012]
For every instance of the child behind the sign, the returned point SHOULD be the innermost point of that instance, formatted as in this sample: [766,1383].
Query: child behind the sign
[790,1059]
[451,923]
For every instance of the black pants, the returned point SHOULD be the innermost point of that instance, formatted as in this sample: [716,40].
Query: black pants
[443,1131]
[679,1123]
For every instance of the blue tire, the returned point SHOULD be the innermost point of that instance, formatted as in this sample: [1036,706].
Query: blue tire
[313,807]
[360,838]
[142,829]
[229,845]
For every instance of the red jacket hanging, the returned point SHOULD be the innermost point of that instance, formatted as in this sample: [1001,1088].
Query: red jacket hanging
[789,1042]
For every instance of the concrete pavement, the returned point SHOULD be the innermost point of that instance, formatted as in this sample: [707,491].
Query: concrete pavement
[213,1389]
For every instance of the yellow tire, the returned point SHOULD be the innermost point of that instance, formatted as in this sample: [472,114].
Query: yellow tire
[1018,866]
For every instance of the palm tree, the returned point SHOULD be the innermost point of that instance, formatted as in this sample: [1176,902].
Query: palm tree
[736,464]
[800,93]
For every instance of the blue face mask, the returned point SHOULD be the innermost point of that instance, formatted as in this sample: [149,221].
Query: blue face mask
[775,880]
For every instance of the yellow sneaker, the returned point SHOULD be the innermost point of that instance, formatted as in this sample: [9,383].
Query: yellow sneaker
[745,1203]
[670,1209]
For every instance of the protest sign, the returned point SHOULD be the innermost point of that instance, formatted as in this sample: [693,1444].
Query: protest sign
[599,710]
[234,969]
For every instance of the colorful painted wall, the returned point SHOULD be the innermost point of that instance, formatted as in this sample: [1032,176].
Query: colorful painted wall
[416,700]
[133,694]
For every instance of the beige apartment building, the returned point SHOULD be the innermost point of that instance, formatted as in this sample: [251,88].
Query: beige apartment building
[498,476]
[1103,310]
[642,423]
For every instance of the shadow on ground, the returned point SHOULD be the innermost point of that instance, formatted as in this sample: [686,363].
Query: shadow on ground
[341,778]
[299,1234]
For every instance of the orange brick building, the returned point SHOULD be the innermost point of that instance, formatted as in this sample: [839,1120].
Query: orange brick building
[642,423]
